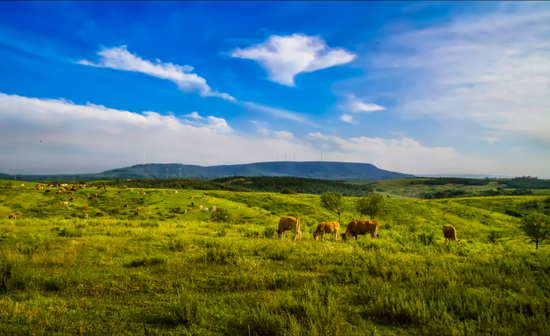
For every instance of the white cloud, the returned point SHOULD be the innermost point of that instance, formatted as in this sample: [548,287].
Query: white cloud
[403,155]
[347,118]
[92,138]
[278,112]
[121,59]
[491,69]
[490,140]
[358,106]
[283,57]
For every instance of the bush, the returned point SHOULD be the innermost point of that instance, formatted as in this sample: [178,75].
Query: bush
[287,191]
[146,261]
[494,236]
[221,215]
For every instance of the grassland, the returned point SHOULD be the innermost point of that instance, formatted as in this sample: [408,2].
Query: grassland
[156,273]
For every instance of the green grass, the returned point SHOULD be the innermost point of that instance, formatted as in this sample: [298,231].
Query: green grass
[166,275]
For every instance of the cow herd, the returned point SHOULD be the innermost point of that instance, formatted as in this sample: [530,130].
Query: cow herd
[355,228]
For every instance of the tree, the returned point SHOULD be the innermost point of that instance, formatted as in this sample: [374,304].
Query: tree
[333,202]
[371,205]
[537,227]
[221,215]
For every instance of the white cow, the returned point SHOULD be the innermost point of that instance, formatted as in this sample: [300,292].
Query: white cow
[65,203]
[175,192]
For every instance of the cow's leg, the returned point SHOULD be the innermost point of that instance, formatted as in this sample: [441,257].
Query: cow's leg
[355,237]
[335,234]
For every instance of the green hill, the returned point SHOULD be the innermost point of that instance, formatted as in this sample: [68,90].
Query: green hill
[318,170]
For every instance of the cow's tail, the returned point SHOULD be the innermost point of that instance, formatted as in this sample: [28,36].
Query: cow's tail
[376,231]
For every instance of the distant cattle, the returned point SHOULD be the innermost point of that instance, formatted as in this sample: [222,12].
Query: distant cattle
[175,192]
[450,234]
[47,190]
[213,208]
[192,204]
[205,193]
[86,216]
[84,206]
[99,213]
[65,203]
[125,205]
[12,216]
[41,188]
[22,185]
[72,199]
[289,223]
[327,227]
[238,207]
[200,206]
[362,227]
[206,209]
[119,192]
[175,215]
[136,213]
[124,186]
[185,212]
[191,197]
[59,191]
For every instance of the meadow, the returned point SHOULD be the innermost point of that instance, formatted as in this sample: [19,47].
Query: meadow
[167,272]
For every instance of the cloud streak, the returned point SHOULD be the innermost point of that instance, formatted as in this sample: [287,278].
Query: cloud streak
[120,58]
[284,57]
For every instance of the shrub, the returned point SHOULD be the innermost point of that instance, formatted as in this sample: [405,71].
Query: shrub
[494,236]
[146,261]
[221,215]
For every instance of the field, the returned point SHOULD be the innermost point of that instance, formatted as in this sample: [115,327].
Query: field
[167,272]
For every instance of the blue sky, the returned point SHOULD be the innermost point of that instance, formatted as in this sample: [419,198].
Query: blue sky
[415,87]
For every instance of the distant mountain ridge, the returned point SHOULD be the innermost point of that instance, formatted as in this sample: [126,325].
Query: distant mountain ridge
[310,169]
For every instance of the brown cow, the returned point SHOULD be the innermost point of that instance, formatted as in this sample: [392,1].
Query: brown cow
[289,223]
[327,227]
[72,199]
[60,191]
[85,206]
[449,232]
[12,216]
[99,213]
[125,205]
[362,227]
[47,190]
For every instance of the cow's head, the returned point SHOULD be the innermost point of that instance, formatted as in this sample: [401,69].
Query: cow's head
[316,236]
[280,233]
[344,236]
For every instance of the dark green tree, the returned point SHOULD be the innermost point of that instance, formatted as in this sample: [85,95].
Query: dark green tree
[333,202]
[371,205]
[537,227]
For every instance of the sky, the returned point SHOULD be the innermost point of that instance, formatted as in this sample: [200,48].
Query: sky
[413,87]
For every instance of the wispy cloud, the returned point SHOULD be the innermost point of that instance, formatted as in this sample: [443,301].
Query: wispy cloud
[347,118]
[492,69]
[490,140]
[283,57]
[279,112]
[121,59]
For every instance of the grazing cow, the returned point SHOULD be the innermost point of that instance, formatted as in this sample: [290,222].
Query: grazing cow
[238,207]
[12,216]
[95,195]
[289,223]
[106,190]
[72,199]
[124,186]
[213,208]
[131,189]
[144,193]
[327,227]
[88,195]
[200,206]
[22,185]
[119,192]
[205,193]
[136,214]
[47,190]
[138,209]
[71,192]
[206,209]
[86,216]
[84,206]
[175,192]
[450,234]
[191,197]
[65,203]
[175,215]
[362,227]
[125,205]
[192,204]
[60,191]
[99,213]
[185,212]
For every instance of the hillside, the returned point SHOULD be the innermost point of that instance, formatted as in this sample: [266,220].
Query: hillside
[319,170]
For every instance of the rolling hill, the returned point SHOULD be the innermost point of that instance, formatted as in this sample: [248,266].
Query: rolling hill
[311,169]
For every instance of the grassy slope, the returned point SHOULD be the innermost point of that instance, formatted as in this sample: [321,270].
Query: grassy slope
[122,275]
